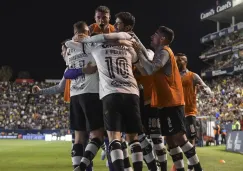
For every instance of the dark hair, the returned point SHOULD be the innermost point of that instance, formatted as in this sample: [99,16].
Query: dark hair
[180,54]
[80,26]
[127,18]
[103,9]
[168,33]
[93,34]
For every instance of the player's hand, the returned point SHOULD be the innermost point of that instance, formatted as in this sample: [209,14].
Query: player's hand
[89,68]
[35,89]
[136,46]
[79,37]
[125,43]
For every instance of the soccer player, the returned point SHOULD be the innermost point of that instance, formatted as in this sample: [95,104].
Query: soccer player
[85,102]
[76,156]
[168,97]
[101,25]
[127,165]
[125,22]
[102,19]
[191,82]
[120,97]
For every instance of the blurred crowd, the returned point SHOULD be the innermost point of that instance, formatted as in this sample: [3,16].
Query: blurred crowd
[225,41]
[19,109]
[221,45]
[227,101]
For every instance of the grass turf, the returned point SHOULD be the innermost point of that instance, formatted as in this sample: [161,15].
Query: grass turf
[23,155]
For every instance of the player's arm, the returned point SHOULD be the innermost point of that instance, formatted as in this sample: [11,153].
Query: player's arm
[135,61]
[50,90]
[199,83]
[139,65]
[90,68]
[74,45]
[142,47]
[159,61]
[111,37]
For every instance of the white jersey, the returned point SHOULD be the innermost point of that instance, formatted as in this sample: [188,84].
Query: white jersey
[87,83]
[114,65]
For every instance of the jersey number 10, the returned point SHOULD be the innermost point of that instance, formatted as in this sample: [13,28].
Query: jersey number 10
[121,66]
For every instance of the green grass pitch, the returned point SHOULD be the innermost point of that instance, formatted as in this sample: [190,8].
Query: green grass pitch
[23,155]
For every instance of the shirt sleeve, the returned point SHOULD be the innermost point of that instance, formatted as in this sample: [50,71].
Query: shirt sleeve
[74,45]
[102,38]
[197,80]
[117,36]
[55,89]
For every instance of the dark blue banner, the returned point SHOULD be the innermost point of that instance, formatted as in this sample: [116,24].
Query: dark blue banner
[235,141]
[221,33]
[223,51]
[224,71]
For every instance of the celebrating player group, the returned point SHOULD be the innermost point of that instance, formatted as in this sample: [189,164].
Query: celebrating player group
[120,92]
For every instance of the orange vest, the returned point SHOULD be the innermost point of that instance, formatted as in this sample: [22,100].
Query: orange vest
[67,91]
[167,91]
[94,28]
[189,94]
[146,82]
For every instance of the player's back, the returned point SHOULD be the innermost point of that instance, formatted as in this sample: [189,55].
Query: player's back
[87,83]
[114,64]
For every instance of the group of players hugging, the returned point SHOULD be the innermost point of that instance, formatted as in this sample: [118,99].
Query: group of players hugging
[120,92]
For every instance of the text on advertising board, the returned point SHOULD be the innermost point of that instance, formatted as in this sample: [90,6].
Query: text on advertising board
[224,7]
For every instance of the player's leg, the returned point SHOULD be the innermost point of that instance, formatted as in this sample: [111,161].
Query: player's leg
[113,121]
[76,159]
[106,140]
[191,129]
[148,154]
[174,150]
[191,134]
[174,129]
[92,108]
[77,123]
[127,164]
[133,125]
[155,134]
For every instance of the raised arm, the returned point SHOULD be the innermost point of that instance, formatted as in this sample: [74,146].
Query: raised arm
[111,37]
[197,81]
[159,60]
[51,90]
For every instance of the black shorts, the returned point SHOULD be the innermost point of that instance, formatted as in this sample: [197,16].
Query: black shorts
[122,113]
[86,112]
[172,120]
[191,131]
[150,120]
